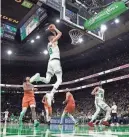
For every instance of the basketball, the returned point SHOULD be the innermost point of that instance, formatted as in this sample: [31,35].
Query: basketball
[51,27]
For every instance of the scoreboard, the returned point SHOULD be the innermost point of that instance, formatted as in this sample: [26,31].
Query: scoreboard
[8,31]
[32,22]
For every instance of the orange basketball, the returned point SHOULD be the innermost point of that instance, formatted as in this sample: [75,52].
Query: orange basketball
[51,27]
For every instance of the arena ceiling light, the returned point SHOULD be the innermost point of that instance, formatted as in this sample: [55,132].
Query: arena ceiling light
[45,52]
[37,37]
[103,28]
[57,20]
[32,41]
[117,21]
[9,52]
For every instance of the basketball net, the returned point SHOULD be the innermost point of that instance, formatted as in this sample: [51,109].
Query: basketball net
[75,36]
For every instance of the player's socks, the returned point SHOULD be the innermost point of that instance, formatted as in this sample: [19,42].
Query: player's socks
[36,78]
[76,124]
[36,123]
[22,115]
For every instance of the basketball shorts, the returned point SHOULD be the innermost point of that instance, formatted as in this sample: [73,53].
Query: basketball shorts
[28,101]
[48,109]
[70,108]
[101,104]
[54,66]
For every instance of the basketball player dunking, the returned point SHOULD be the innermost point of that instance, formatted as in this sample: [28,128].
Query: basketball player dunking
[100,104]
[54,65]
[29,100]
[70,107]
[47,101]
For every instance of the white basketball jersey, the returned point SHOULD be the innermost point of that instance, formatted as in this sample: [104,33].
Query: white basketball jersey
[100,94]
[53,50]
[49,97]
[114,109]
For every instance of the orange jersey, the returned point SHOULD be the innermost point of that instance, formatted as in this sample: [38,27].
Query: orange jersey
[70,107]
[28,98]
[28,93]
[71,100]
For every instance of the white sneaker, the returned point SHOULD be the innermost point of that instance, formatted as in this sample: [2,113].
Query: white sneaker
[112,124]
[36,78]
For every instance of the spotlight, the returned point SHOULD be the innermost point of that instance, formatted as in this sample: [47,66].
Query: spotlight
[9,52]
[57,21]
[117,21]
[45,52]
[80,40]
[103,28]
[32,41]
[38,37]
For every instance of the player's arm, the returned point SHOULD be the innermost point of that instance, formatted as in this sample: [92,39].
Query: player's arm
[57,37]
[94,91]
[66,100]
[26,88]
[43,100]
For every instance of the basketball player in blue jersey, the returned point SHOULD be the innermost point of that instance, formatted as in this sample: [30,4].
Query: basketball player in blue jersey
[54,65]
[100,104]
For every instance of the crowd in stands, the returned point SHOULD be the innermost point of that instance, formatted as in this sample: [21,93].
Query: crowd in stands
[13,76]
[116,91]
[85,107]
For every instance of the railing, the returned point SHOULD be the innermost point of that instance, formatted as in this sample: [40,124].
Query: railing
[81,79]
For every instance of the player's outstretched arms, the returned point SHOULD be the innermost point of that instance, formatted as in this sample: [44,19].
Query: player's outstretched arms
[57,37]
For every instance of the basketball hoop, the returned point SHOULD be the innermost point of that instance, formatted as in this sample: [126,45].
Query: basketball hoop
[75,35]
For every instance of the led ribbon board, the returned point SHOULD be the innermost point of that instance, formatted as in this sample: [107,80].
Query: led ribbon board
[107,14]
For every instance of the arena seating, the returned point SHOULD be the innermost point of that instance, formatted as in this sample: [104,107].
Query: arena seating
[116,91]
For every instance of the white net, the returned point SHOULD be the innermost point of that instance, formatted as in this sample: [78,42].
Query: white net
[76,36]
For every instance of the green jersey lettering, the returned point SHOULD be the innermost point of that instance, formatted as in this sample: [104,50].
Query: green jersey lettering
[50,51]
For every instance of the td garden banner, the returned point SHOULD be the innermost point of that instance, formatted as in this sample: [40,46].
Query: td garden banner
[105,15]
